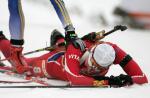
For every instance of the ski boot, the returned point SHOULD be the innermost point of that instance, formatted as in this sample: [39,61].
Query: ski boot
[17,60]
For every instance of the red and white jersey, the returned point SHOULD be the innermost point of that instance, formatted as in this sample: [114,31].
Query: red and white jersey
[66,65]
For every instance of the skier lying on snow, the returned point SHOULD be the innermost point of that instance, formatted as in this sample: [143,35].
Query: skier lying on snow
[82,68]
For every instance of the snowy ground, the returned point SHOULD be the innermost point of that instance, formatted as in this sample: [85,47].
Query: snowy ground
[40,21]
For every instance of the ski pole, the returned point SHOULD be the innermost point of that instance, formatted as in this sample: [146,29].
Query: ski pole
[42,49]
[116,28]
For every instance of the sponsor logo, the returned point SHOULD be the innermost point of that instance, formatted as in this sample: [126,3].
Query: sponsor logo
[74,56]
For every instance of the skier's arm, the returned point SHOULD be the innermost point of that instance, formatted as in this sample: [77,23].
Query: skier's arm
[134,73]
[129,66]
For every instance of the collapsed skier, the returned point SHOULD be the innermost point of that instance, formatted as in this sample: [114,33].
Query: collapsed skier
[80,68]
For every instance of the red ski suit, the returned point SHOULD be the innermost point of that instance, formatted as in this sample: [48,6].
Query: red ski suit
[66,65]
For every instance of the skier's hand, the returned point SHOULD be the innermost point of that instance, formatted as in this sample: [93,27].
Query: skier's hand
[121,80]
[94,36]
[73,38]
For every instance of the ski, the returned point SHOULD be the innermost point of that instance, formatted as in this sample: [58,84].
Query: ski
[1,81]
[43,83]
[54,86]
[7,71]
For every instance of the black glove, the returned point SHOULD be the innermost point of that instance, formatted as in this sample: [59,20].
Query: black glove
[77,42]
[121,80]
[100,78]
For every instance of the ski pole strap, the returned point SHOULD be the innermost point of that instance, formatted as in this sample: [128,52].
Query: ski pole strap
[125,60]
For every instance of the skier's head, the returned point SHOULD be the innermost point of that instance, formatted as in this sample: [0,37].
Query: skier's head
[101,57]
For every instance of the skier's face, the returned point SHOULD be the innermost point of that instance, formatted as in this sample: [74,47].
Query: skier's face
[96,66]
[93,68]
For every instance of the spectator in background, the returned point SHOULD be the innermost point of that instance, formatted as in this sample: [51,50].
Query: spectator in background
[135,13]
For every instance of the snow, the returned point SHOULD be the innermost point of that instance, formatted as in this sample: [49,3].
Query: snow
[40,21]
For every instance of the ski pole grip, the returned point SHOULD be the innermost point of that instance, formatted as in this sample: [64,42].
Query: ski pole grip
[116,28]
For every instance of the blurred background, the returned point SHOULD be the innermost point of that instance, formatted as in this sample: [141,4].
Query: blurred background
[87,16]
